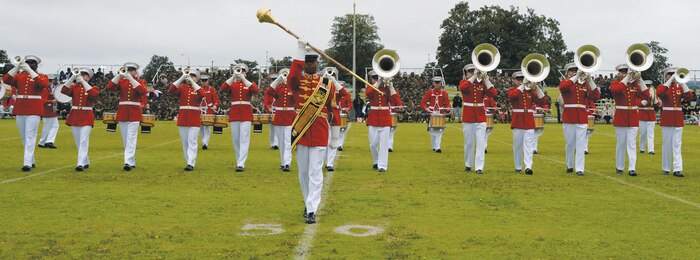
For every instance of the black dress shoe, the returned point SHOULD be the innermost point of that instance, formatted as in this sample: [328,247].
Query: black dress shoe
[391,150]
[26,168]
[86,166]
[285,168]
[41,146]
[486,151]
[274,147]
[678,174]
[640,151]
[479,172]
[311,218]
[240,169]
[340,148]
[305,214]
[50,145]
[438,151]
[79,168]
[330,168]
[579,173]
[569,170]
[33,165]
[468,169]
[528,171]
[518,171]
[618,171]
[127,167]
[382,170]
[189,168]
[585,152]
[651,153]
[667,173]
[433,150]
[633,173]
[535,152]
[375,167]
[204,147]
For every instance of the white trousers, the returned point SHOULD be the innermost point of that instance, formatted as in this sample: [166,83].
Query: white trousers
[28,126]
[205,132]
[188,137]
[522,147]
[273,136]
[626,141]
[535,141]
[474,134]
[310,164]
[486,141]
[330,153]
[575,137]
[81,135]
[284,133]
[240,135]
[392,132]
[646,135]
[588,137]
[49,131]
[435,137]
[379,145]
[343,134]
[130,133]
[672,141]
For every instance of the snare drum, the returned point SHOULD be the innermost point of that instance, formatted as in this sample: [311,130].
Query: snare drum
[265,118]
[343,120]
[394,120]
[148,120]
[109,118]
[221,121]
[437,121]
[591,122]
[539,121]
[256,119]
[207,120]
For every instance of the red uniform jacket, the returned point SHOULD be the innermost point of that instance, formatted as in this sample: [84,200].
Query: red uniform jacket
[395,102]
[81,113]
[29,101]
[9,101]
[341,97]
[268,100]
[211,97]
[490,105]
[130,98]
[437,100]
[473,95]
[379,111]
[303,85]
[523,115]
[626,114]
[190,111]
[646,112]
[576,98]
[240,96]
[591,107]
[671,107]
[49,105]
[283,104]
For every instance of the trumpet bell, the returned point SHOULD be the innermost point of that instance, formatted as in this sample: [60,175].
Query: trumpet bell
[681,76]
[386,63]
[265,16]
[639,57]
[486,57]
[284,73]
[535,67]
[588,59]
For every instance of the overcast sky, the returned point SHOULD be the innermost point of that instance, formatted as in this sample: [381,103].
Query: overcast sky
[112,32]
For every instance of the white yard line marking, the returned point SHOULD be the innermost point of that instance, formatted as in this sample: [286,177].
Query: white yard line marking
[650,190]
[71,166]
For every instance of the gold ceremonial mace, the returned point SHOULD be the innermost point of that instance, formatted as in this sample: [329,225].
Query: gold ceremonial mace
[265,17]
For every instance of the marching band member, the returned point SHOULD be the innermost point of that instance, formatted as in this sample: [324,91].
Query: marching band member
[345,107]
[50,119]
[592,111]
[491,108]
[522,96]
[29,104]
[189,114]
[626,90]
[81,118]
[647,119]
[340,94]
[672,93]
[436,101]
[8,102]
[379,120]
[474,117]
[284,116]
[536,139]
[304,81]
[575,117]
[132,90]
[395,105]
[211,98]
[268,100]
[240,90]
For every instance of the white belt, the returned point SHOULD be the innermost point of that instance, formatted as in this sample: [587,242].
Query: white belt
[472,104]
[523,110]
[626,107]
[379,108]
[129,103]
[240,102]
[81,108]
[191,108]
[646,108]
[283,108]
[673,108]
[574,106]
[28,97]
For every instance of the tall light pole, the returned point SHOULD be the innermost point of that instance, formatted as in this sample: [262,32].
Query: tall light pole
[188,58]
[354,39]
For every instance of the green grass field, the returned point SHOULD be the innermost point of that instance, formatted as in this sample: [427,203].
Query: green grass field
[426,206]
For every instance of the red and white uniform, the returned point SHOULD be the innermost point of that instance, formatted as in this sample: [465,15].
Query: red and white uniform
[283,107]
[211,97]
[188,118]
[523,124]
[341,96]
[672,122]
[49,117]
[435,101]
[81,118]
[474,121]
[379,123]
[592,111]
[491,108]
[129,113]
[268,100]
[396,104]
[240,116]
[539,110]
[28,108]
[647,121]
[575,121]
[626,121]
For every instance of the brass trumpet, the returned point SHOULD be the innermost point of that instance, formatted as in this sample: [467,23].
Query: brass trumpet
[588,60]
[186,71]
[681,76]
[76,71]
[639,58]
[485,58]
[284,73]
[535,67]
[18,60]
[123,71]
[237,69]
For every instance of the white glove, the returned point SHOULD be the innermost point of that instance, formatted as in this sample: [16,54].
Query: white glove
[592,84]
[71,79]
[626,79]
[337,85]
[642,85]
[392,91]
[116,78]
[82,81]
[133,81]
[644,103]
[685,88]
[472,79]
[277,81]
[301,49]
[25,67]
[335,137]
[245,81]
[232,79]
[13,71]
[574,79]
[540,94]
[194,84]
[180,80]
[488,82]
[669,82]
[521,87]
